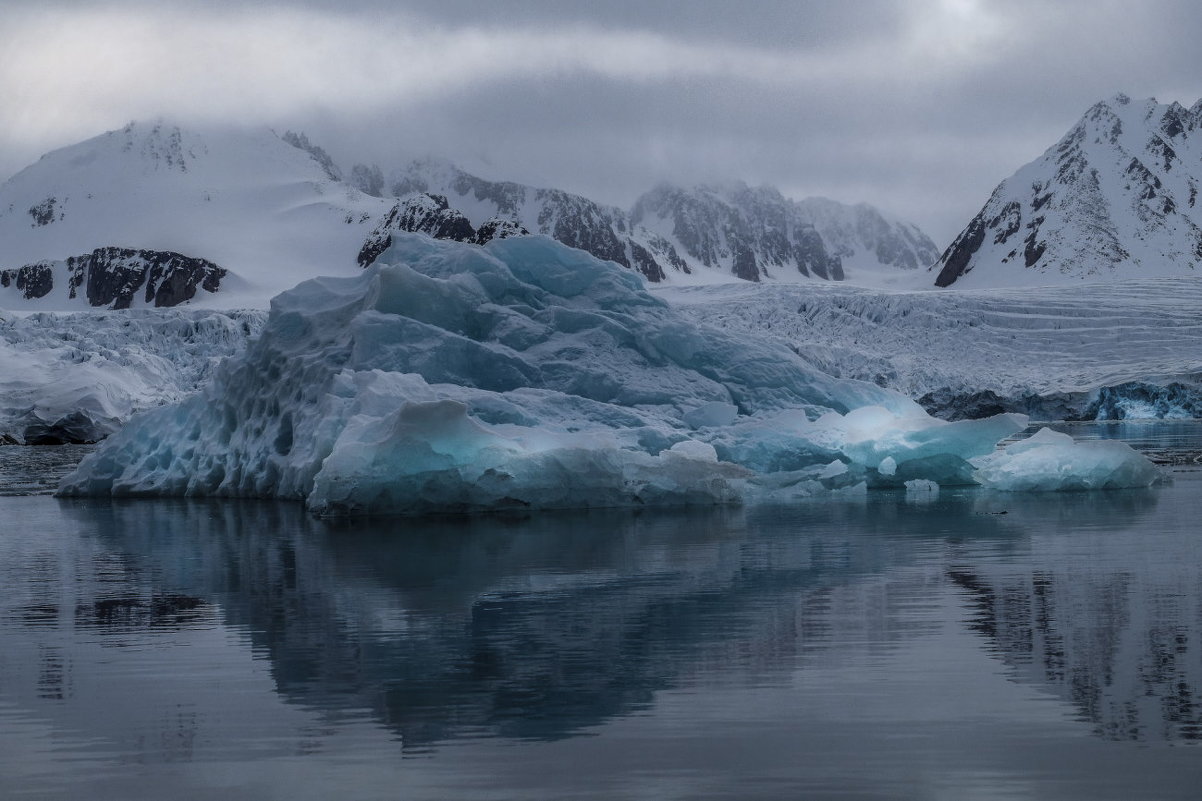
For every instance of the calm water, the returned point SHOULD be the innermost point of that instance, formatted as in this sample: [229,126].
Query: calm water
[979,645]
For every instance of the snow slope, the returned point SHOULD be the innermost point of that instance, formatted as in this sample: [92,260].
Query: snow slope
[523,374]
[274,210]
[873,247]
[1046,354]
[758,234]
[263,209]
[1116,197]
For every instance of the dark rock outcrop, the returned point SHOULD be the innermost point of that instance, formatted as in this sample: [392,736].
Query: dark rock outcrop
[45,212]
[32,280]
[422,213]
[114,277]
[498,228]
[957,259]
[301,142]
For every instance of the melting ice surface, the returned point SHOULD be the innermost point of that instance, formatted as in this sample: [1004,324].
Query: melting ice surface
[527,374]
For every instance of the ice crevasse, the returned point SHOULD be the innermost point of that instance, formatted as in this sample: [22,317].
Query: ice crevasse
[526,374]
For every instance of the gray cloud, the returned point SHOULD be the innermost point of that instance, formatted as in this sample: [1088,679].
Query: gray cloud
[920,108]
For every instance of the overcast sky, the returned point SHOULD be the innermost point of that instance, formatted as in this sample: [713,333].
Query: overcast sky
[919,107]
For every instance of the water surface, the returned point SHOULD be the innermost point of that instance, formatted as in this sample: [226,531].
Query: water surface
[976,645]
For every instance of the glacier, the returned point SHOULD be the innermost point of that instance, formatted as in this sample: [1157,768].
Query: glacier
[521,375]
[79,376]
[1118,350]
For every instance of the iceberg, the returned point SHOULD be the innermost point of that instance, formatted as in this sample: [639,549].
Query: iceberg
[519,375]
[1051,461]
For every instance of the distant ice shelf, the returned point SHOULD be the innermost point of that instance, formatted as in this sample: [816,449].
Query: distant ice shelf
[1124,349]
[529,375]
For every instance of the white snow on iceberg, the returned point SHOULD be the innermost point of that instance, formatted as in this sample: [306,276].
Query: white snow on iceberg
[524,374]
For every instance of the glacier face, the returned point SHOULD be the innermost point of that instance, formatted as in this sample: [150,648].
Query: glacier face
[1116,197]
[1097,351]
[78,377]
[522,374]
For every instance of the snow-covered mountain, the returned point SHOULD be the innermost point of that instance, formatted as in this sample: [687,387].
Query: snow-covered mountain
[867,240]
[265,208]
[1116,197]
[261,212]
[604,231]
[425,213]
[752,234]
[676,235]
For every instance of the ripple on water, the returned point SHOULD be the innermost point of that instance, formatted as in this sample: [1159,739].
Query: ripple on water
[36,469]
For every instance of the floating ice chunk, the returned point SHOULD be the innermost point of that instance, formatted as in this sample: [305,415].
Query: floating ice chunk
[921,485]
[921,492]
[1051,461]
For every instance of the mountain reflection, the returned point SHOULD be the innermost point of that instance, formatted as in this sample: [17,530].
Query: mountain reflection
[545,626]
[529,628]
[1117,634]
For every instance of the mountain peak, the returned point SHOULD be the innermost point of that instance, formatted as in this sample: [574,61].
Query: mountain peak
[301,142]
[1116,196]
[244,200]
[158,143]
